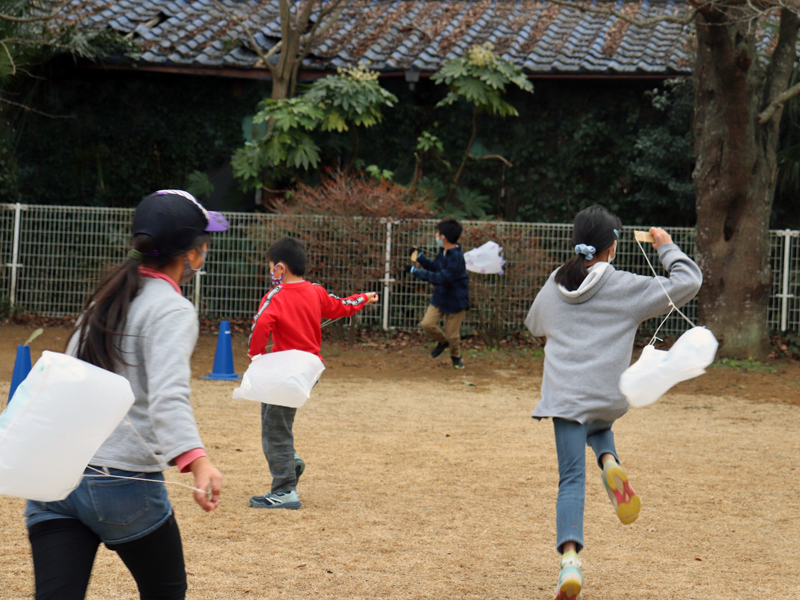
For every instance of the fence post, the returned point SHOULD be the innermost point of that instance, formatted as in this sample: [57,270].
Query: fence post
[12,296]
[198,279]
[788,234]
[387,272]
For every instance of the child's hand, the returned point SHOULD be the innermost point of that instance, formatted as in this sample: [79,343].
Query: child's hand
[206,477]
[372,297]
[661,237]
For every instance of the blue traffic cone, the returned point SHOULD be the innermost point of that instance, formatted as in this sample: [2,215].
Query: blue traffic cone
[22,366]
[223,359]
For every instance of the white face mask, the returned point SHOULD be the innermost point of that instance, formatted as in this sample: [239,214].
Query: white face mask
[613,254]
[188,271]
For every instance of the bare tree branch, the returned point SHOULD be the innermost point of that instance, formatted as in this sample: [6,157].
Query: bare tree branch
[502,159]
[317,33]
[10,58]
[324,12]
[52,15]
[262,56]
[33,110]
[680,19]
[778,103]
[781,65]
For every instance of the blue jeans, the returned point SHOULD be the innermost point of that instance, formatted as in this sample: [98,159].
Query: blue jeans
[116,510]
[571,438]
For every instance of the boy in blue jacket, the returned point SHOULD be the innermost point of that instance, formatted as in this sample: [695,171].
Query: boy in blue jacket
[448,274]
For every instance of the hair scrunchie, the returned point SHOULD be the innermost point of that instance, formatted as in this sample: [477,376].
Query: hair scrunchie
[587,251]
[135,255]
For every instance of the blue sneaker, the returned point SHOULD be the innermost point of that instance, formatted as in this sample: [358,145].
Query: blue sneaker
[299,466]
[277,500]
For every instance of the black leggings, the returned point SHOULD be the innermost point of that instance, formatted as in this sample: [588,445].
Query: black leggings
[64,550]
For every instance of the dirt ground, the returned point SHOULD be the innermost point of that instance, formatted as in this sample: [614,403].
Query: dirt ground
[425,482]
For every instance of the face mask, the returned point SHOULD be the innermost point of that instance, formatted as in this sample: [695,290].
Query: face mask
[188,271]
[439,242]
[276,281]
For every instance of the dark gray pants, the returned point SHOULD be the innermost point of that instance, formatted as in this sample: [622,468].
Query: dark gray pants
[278,444]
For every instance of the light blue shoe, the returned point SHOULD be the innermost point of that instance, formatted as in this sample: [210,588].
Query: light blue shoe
[570,580]
[277,500]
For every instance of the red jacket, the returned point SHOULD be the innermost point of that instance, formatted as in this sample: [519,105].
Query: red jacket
[292,313]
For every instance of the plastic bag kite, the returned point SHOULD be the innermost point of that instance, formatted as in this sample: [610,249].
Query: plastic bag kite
[281,378]
[657,371]
[487,259]
[55,423]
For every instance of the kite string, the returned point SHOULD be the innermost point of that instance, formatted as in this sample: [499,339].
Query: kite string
[160,462]
[102,473]
[671,303]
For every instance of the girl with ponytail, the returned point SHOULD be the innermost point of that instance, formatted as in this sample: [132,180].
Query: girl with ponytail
[136,323]
[590,312]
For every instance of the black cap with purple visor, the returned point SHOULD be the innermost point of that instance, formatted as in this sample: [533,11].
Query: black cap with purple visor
[174,219]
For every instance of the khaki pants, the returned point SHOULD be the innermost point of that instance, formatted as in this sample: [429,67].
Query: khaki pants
[452,328]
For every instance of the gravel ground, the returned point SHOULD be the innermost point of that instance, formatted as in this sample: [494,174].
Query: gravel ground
[439,485]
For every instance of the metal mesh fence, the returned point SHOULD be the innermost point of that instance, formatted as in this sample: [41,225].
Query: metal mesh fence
[61,252]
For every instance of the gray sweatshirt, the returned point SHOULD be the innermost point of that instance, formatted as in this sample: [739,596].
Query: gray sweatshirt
[590,333]
[159,339]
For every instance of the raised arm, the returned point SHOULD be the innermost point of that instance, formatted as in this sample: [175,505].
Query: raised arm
[334,307]
[426,262]
[647,298]
[451,271]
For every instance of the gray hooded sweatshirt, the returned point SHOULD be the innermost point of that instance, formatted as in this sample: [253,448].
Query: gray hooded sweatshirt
[160,335]
[590,333]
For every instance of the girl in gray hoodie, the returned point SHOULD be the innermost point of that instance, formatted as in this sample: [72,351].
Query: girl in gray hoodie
[138,324]
[590,312]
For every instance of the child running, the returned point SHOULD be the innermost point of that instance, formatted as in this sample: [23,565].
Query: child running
[292,312]
[589,312]
[450,300]
[137,324]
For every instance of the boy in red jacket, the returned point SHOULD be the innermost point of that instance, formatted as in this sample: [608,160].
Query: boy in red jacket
[291,312]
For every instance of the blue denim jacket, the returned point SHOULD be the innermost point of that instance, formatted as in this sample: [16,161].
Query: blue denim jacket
[448,274]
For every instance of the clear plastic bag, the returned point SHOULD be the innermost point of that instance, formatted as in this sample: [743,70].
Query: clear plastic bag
[487,259]
[656,371]
[280,378]
[55,423]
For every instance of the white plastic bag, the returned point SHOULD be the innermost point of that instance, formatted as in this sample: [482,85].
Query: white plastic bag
[281,378]
[55,423]
[657,371]
[487,259]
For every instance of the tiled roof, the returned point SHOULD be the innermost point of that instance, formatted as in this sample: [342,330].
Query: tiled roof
[540,37]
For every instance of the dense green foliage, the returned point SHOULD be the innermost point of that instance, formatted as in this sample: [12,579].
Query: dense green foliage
[353,98]
[480,78]
[25,45]
[575,143]
[128,134]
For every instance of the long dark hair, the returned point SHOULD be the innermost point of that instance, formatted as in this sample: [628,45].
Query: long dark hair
[594,226]
[105,311]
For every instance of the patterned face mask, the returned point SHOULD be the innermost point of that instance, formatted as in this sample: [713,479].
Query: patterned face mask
[276,281]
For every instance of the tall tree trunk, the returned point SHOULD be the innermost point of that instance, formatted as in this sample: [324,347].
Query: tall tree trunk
[735,175]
